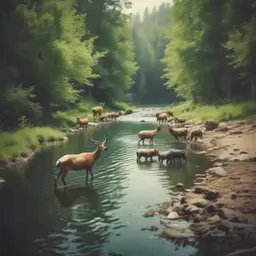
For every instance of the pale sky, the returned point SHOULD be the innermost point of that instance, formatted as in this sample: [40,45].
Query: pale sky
[140,5]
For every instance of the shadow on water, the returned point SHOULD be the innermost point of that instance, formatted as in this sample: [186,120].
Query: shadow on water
[103,217]
[69,198]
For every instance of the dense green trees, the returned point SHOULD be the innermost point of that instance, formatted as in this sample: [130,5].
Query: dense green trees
[149,39]
[211,53]
[55,52]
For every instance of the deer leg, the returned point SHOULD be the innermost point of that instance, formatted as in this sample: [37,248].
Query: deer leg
[64,173]
[86,179]
[56,179]
[143,141]
[90,171]
[139,141]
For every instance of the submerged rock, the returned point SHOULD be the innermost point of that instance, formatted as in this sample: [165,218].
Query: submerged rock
[180,185]
[149,213]
[178,231]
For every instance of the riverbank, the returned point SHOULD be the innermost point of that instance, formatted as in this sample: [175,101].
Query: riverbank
[218,112]
[221,206]
[19,146]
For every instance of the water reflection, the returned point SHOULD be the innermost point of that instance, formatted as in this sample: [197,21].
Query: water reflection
[75,196]
[95,219]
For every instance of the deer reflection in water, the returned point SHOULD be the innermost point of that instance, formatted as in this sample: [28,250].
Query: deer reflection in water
[88,194]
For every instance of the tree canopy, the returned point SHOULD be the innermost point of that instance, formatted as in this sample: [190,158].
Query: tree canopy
[57,53]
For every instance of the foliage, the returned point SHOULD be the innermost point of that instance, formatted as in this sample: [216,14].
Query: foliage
[211,50]
[223,112]
[149,40]
[54,57]
[122,106]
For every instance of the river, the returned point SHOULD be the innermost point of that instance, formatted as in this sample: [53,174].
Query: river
[98,219]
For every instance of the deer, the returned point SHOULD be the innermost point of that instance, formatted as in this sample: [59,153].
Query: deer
[82,122]
[148,134]
[78,162]
[98,109]
[195,134]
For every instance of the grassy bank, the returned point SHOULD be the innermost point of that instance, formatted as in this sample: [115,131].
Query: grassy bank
[223,112]
[24,141]
[84,110]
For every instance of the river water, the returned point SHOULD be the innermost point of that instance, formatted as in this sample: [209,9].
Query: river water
[98,219]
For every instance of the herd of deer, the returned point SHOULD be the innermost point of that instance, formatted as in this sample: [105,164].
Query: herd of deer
[98,112]
[86,160]
[173,154]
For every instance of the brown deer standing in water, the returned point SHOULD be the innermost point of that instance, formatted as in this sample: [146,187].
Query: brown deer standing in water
[78,162]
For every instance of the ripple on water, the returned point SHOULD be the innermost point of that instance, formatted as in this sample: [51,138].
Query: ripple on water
[122,188]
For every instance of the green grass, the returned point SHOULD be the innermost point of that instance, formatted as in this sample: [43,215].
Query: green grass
[84,110]
[224,112]
[25,140]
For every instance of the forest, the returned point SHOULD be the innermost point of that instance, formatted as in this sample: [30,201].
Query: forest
[58,54]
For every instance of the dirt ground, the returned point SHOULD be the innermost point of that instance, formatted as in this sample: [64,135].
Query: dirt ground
[222,203]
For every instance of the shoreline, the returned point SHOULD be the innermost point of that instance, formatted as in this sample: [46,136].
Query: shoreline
[20,160]
[220,208]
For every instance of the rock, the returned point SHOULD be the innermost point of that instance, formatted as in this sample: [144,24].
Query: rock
[233,196]
[178,231]
[187,190]
[200,189]
[199,202]
[142,121]
[173,216]
[180,185]
[209,194]
[201,152]
[151,228]
[218,171]
[218,164]
[149,213]
[182,200]
[212,208]
[72,130]
[252,159]
[192,209]
[211,125]
[226,213]
[200,218]
[235,132]
[222,128]
[214,219]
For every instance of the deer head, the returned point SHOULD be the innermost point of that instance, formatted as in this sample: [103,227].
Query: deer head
[101,144]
